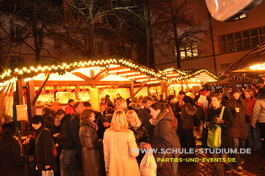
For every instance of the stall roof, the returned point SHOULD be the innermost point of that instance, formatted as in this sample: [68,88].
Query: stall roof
[176,75]
[121,70]
[203,75]
[100,72]
[252,62]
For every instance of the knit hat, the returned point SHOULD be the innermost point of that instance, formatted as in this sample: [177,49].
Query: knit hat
[235,90]
[261,91]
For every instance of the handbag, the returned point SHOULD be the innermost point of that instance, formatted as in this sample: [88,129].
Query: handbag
[214,134]
[148,164]
[47,173]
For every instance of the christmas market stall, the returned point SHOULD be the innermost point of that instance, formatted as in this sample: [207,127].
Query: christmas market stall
[89,80]
[248,70]
[191,80]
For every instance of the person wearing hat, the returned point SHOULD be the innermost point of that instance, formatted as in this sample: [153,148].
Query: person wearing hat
[43,146]
[259,113]
[239,130]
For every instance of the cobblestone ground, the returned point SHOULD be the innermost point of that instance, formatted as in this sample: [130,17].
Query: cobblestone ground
[254,165]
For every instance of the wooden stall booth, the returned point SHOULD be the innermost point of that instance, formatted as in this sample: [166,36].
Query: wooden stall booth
[186,80]
[87,80]
[248,70]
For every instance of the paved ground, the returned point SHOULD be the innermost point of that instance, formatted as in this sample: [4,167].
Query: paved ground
[254,165]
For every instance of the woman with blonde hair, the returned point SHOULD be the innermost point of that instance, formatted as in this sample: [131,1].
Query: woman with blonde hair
[121,105]
[139,130]
[120,148]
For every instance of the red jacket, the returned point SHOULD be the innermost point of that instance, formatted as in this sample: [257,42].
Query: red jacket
[250,103]
[69,109]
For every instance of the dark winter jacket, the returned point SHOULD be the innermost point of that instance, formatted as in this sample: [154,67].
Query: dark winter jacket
[144,115]
[92,151]
[99,121]
[240,126]
[64,137]
[164,137]
[187,116]
[141,134]
[11,161]
[43,149]
[226,139]
[74,130]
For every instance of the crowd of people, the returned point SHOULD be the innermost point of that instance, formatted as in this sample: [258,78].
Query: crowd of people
[81,141]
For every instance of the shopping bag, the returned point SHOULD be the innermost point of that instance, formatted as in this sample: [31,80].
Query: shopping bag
[214,134]
[47,173]
[148,164]
[214,137]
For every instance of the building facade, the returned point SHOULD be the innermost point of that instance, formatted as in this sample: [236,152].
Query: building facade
[225,42]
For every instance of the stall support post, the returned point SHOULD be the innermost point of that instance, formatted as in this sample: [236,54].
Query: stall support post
[140,88]
[187,86]
[148,90]
[181,85]
[132,89]
[94,97]
[164,90]
[18,100]
[30,97]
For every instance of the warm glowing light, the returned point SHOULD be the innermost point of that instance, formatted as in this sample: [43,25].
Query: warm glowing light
[114,78]
[257,67]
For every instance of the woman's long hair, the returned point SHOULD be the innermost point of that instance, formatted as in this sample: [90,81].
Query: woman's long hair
[119,121]
[162,107]
[134,114]
[174,122]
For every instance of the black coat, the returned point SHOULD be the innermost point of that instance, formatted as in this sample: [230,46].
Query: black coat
[164,137]
[99,121]
[92,151]
[43,149]
[74,130]
[188,114]
[226,139]
[141,134]
[240,126]
[144,115]
[11,161]
[64,137]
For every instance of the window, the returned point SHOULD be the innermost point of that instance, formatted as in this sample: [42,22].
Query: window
[262,34]
[189,51]
[243,40]
[15,32]
[242,16]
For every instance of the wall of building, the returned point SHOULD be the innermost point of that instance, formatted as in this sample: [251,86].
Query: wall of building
[255,18]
